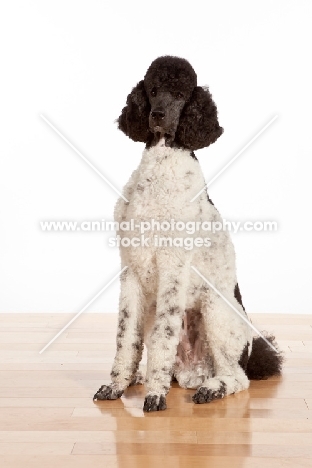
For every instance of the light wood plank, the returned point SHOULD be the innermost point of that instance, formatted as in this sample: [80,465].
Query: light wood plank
[255,438]
[100,437]
[204,450]
[33,448]
[152,461]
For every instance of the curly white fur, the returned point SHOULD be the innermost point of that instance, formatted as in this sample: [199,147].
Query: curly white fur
[160,292]
[188,329]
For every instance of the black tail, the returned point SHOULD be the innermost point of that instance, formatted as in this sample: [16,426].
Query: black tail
[264,362]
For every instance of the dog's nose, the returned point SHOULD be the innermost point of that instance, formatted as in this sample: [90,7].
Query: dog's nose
[158,114]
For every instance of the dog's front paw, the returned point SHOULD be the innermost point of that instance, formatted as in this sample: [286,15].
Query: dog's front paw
[154,403]
[205,395]
[107,392]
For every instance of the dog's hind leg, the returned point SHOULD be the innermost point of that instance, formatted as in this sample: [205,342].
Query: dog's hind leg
[228,337]
[129,338]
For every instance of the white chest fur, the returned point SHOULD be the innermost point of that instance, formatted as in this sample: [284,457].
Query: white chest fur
[161,189]
[165,182]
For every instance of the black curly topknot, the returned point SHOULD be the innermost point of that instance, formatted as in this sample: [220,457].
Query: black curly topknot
[171,73]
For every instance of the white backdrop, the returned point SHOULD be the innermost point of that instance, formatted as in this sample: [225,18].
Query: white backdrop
[75,62]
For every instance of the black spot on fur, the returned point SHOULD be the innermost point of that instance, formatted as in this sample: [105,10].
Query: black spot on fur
[238,295]
[222,390]
[125,313]
[114,374]
[123,275]
[137,346]
[174,310]
[122,325]
[264,362]
[243,360]
[170,292]
[121,328]
[169,331]
[173,290]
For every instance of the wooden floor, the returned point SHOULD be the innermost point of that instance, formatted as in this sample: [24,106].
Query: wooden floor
[48,418]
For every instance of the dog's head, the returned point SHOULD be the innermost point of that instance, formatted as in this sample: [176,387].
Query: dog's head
[169,104]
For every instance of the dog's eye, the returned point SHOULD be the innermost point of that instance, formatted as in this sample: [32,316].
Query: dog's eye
[154,92]
[180,95]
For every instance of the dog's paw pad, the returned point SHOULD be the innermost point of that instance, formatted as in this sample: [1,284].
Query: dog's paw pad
[107,392]
[154,403]
[205,395]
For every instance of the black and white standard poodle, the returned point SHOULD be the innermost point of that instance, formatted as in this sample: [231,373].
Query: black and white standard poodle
[190,331]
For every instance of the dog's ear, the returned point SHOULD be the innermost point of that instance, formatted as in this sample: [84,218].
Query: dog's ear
[133,120]
[198,125]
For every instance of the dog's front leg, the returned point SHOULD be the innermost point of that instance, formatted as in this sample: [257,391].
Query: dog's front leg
[173,272]
[129,338]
